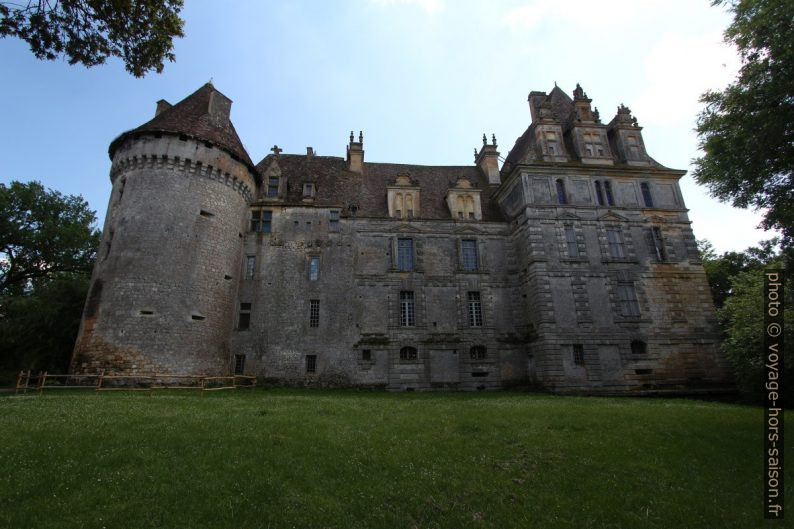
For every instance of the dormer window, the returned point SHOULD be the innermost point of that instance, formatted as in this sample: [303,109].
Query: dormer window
[551,142]
[308,190]
[403,198]
[272,187]
[633,147]
[593,145]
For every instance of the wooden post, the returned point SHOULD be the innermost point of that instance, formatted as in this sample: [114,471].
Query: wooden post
[42,380]
[99,383]
[19,382]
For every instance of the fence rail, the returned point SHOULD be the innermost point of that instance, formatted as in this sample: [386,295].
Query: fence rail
[101,382]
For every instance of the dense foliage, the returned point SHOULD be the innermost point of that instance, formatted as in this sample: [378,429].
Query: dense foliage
[47,250]
[141,32]
[747,130]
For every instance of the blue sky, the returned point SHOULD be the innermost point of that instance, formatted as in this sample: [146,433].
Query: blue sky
[422,78]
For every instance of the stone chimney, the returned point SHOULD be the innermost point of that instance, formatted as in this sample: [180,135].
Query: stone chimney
[535,99]
[219,109]
[355,153]
[309,153]
[488,160]
[161,106]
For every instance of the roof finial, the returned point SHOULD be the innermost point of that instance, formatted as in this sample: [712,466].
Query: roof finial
[475,154]
[351,136]
[276,150]
[484,139]
[493,138]
[360,137]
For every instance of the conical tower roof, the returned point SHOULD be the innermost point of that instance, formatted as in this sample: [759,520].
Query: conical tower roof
[193,117]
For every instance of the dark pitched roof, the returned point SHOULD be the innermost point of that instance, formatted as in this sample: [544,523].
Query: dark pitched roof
[191,117]
[336,186]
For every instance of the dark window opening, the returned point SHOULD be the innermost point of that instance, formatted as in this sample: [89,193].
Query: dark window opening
[615,241]
[244,317]
[561,196]
[646,195]
[333,221]
[627,296]
[366,355]
[261,220]
[239,364]
[311,363]
[478,352]
[608,191]
[638,347]
[205,213]
[578,354]
[599,193]
[272,187]
[658,244]
[479,374]
[314,313]
[197,317]
[408,353]
[146,312]
[570,242]
[643,371]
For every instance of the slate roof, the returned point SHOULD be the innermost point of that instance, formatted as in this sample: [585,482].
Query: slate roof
[191,117]
[336,186]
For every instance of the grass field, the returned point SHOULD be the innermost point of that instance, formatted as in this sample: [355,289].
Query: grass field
[305,459]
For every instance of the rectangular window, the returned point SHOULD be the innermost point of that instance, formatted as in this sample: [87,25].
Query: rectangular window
[308,190]
[314,313]
[469,253]
[615,240]
[250,266]
[272,187]
[366,355]
[608,191]
[407,313]
[405,255]
[314,268]
[311,363]
[239,364]
[244,318]
[658,244]
[333,220]
[629,306]
[261,220]
[475,309]
[570,242]
[578,354]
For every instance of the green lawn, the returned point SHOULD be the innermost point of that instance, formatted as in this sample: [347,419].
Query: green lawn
[289,458]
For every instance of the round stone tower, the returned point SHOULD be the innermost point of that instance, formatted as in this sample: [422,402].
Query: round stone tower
[163,289]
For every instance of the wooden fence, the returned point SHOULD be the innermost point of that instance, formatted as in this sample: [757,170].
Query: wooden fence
[158,381]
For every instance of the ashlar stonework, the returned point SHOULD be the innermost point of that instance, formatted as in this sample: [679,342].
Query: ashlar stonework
[572,267]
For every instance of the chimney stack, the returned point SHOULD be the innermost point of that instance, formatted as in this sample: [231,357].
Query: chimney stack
[488,160]
[161,106]
[355,153]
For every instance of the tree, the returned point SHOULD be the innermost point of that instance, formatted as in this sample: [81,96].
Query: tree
[42,233]
[720,269]
[746,131]
[141,32]
[47,250]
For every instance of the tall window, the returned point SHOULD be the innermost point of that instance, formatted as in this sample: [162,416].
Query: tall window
[578,354]
[261,220]
[250,266]
[570,242]
[244,318]
[333,221]
[608,191]
[311,363]
[314,268]
[469,250]
[561,197]
[272,187]
[407,313]
[475,309]
[478,352]
[308,190]
[239,364]
[599,193]
[658,244]
[629,306]
[408,353]
[405,254]
[646,195]
[314,313]
[615,240]
[551,142]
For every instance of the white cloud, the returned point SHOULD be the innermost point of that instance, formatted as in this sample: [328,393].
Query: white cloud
[430,6]
[678,70]
[599,15]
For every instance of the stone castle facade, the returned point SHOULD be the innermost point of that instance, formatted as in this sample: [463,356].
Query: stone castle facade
[572,266]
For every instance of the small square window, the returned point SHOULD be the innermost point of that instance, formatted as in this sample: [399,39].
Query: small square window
[366,355]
